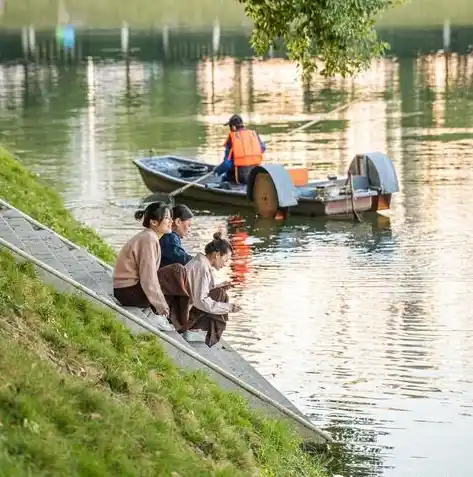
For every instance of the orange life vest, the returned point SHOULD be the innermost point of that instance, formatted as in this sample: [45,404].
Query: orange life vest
[246,148]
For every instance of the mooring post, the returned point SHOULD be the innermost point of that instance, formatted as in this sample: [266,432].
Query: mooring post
[25,42]
[125,35]
[447,35]
[166,40]
[216,37]
[32,39]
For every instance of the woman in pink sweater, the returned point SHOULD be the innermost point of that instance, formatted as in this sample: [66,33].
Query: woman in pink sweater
[135,276]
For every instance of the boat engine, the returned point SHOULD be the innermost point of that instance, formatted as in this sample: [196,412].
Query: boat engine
[374,170]
[271,188]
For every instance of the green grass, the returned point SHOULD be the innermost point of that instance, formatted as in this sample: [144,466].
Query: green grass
[202,13]
[30,194]
[427,13]
[141,13]
[81,396]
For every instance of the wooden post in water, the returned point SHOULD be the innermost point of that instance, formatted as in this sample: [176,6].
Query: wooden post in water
[166,40]
[32,39]
[125,36]
[25,42]
[216,38]
[447,36]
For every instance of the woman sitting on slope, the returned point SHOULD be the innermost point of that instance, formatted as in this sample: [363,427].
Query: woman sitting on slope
[172,250]
[135,276]
[210,302]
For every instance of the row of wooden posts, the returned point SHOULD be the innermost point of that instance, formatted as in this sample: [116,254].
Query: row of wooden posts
[54,49]
[38,46]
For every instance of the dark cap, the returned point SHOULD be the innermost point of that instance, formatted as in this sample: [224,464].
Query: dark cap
[235,120]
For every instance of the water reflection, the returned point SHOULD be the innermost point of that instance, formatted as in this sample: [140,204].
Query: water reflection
[366,327]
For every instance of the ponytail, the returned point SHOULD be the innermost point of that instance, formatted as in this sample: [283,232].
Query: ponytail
[154,211]
[218,245]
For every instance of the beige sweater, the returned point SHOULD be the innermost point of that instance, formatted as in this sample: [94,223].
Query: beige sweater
[201,281]
[138,262]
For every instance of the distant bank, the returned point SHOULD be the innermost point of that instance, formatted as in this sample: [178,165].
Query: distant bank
[72,44]
[200,14]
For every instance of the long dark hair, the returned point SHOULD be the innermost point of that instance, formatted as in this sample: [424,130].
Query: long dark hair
[219,245]
[154,211]
[181,211]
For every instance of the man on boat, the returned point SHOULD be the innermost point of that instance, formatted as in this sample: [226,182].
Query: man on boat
[243,150]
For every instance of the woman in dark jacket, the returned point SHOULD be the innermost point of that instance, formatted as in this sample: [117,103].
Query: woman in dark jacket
[172,250]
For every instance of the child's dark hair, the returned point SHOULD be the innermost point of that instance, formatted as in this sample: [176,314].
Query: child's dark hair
[181,211]
[154,211]
[219,245]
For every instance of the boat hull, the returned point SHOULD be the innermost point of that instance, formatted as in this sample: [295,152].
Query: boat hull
[164,183]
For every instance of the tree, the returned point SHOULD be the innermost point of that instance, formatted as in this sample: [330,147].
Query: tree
[327,36]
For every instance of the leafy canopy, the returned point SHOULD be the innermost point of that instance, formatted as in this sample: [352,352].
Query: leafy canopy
[338,34]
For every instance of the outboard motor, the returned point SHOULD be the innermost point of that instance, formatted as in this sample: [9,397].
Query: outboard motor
[375,171]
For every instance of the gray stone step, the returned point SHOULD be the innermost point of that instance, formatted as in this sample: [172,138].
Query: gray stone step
[210,354]
[20,226]
[75,268]
[230,360]
[95,269]
[50,249]
[31,243]
[9,235]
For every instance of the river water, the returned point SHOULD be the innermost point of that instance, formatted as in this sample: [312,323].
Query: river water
[366,327]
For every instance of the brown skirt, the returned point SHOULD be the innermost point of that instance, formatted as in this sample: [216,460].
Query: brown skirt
[214,324]
[175,287]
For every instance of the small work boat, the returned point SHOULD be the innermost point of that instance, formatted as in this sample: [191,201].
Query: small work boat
[273,189]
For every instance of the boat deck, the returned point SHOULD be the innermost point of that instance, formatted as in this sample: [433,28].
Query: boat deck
[170,166]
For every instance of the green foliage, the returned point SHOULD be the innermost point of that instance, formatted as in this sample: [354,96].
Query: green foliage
[81,396]
[328,36]
[27,192]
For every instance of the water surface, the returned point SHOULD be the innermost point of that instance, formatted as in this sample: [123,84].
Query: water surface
[366,327]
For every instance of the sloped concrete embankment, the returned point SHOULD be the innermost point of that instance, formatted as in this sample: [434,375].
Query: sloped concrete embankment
[70,267]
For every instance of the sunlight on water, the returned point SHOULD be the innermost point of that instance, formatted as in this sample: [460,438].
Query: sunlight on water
[366,327]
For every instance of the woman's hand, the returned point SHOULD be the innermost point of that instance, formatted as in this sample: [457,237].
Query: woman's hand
[162,310]
[235,308]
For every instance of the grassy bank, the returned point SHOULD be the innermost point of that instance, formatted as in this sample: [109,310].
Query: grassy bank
[27,192]
[202,13]
[81,396]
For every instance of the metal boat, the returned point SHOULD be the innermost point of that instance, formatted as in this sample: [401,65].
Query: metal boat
[368,186]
